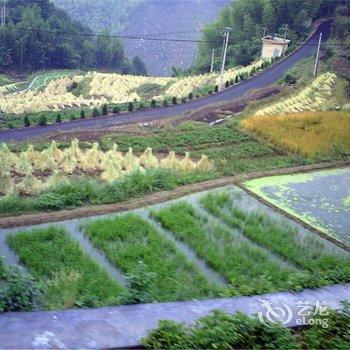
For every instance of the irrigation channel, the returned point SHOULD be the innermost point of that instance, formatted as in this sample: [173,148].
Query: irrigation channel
[123,326]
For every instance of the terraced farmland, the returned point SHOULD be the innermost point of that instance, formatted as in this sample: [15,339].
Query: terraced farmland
[57,90]
[213,244]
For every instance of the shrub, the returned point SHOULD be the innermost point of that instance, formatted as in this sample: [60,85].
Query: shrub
[70,277]
[141,106]
[18,292]
[231,82]
[130,106]
[174,100]
[104,109]
[183,100]
[82,114]
[58,118]
[335,336]
[289,79]
[227,83]
[190,96]
[216,89]
[236,79]
[42,120]
[26,121]
[210,92]
[165,103]
[95,112]
[220,330]
[116,109]
[153,104]
[72,117]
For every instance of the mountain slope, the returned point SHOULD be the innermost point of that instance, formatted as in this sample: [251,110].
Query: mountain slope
[181,19]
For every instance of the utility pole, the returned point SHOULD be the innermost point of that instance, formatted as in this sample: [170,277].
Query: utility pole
[284,38]
[226,35]
[212,60]
[3,15]
[317,54]
[264,31]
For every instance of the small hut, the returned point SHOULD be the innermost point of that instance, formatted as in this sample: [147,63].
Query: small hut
[273,47]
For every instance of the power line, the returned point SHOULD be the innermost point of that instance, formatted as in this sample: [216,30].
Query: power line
[146,38]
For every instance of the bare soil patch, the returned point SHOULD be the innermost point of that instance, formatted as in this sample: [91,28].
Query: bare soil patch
[214,112]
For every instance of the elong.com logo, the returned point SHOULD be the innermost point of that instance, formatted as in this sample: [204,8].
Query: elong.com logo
[304,313]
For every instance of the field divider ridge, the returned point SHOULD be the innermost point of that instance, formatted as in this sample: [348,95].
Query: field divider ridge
[210,273]
[77,233]
[235,231]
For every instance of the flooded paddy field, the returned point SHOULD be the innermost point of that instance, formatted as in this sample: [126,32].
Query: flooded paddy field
[320,198]
[216,243]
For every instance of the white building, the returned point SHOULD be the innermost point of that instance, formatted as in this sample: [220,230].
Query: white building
[273,47]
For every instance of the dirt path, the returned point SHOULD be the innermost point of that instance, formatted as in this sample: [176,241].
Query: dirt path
[159,197]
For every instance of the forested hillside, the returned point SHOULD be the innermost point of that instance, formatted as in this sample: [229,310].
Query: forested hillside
[100,14]
[248,18]
[174,19]
[38,36]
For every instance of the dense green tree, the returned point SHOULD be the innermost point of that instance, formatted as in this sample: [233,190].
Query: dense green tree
[39,36]
[138,66]
[269,19]
[247,19]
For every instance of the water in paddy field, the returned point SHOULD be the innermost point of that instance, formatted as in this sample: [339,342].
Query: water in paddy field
[321,198]
[240,198]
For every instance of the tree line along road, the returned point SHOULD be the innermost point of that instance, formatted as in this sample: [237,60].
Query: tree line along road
[267,77]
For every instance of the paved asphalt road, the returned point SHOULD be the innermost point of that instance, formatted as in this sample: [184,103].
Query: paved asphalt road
[265,78]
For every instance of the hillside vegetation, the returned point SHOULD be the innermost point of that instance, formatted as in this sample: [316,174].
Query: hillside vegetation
[94,12]
[248,17]
[35,38]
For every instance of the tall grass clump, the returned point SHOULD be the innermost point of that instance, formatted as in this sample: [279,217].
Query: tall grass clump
[70,278]
[156,270]
[247,269]
[18,291]
[309,253]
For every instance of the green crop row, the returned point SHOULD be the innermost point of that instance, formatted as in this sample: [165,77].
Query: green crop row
[308,253]
[83,190]
[68,276]
[248,269]
[178,140]
[156,270]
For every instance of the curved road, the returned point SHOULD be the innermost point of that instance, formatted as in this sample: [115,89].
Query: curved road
[265,78]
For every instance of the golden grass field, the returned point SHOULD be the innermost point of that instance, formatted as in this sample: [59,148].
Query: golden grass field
[306,133]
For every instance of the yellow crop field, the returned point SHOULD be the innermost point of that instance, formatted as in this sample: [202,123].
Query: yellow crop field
[312,98]
[306,133]
[100,88]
